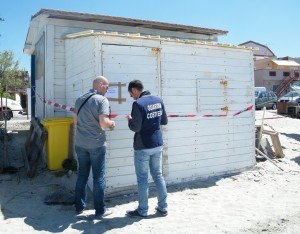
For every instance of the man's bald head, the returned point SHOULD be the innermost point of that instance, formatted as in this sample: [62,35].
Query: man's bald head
[98,80]
[100,84]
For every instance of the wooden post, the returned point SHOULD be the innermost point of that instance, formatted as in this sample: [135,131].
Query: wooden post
[276,142]
[261,153]
[261,128]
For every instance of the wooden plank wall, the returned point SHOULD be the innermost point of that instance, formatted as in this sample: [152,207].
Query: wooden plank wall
[203,80]
[190,78]
[82,67]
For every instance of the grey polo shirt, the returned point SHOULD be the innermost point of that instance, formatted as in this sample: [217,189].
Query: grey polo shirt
[89,133]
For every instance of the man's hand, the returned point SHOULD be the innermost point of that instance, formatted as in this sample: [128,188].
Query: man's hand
[112,126]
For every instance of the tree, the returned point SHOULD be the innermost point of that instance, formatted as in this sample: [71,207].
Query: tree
[9,70]
[8,73]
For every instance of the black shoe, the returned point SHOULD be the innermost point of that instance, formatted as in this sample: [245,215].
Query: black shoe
[160,212]
[134,214]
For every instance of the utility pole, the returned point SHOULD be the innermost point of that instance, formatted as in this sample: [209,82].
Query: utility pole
[4,162]
[1,19]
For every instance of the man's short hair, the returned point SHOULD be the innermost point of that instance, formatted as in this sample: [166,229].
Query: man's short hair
[136,84]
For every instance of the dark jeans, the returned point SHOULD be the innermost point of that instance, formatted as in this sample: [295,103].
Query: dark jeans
[88,158]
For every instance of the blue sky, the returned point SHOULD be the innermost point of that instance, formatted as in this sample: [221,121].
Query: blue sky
[268,22]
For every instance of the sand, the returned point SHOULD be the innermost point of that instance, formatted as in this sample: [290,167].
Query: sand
[264,199]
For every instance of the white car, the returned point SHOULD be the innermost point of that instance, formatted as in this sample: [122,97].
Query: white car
[13,108]
[289,97]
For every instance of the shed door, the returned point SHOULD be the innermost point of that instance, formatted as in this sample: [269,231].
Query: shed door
[124,64]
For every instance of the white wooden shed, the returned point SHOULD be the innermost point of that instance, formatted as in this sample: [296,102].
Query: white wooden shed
[206,87]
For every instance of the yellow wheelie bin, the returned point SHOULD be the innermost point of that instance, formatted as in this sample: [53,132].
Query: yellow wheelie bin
[57,145]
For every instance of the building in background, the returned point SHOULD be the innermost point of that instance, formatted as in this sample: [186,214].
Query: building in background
[276,74]
[261,52]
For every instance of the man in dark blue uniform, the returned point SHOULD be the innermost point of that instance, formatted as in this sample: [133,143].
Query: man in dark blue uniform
[148,113]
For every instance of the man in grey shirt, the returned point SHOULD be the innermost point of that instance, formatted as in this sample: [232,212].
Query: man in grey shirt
[91,115]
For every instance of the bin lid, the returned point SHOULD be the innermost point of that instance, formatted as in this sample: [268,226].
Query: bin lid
[57,120]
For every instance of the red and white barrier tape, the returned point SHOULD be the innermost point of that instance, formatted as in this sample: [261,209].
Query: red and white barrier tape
[214,115]
[247,109]
[63,107]
[112,116]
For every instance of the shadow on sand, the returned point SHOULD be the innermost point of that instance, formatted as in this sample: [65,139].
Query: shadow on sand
[296,160]
[291,135]
[19,201]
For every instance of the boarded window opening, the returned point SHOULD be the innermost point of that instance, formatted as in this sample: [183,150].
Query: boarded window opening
[285,74]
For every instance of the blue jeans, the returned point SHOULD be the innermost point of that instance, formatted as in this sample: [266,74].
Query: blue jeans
[88,158]
[143,159]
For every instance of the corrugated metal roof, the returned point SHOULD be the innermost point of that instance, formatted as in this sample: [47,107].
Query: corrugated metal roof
[263,50]
[286,63]
[57,14]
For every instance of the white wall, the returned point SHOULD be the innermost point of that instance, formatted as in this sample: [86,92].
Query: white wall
[191,79]
[82,67]
[263,78]
[55,57]
[207,80]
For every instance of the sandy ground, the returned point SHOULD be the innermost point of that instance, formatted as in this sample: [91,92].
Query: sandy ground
[262,200]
